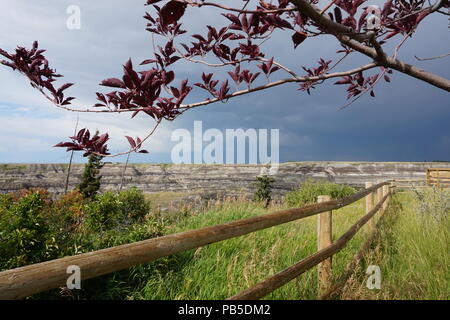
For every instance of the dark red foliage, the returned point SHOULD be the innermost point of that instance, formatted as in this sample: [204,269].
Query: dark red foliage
[268,68]
[358,84]
[172,12]
[314,72]
[298,38]
[403,16]
[33,64]
[141,91]
[84,142]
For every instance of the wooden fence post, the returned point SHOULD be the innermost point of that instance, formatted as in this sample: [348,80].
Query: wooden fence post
[369,206]
[379,197]
[324,239]
[379,192]
[385,192]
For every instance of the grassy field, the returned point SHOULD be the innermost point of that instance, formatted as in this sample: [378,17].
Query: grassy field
[412,251]
[412,247]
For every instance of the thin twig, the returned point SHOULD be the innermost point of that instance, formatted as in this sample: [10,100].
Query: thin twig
[327,7]
[433,58]
[71,158]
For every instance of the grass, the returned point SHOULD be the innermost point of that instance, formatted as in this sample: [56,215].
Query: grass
[412,251]
[12,166]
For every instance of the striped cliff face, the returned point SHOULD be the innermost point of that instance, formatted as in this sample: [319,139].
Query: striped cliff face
[209,179]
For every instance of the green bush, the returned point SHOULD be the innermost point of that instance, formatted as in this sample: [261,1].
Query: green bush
[5,202]
[66,213]
[35,229]
[65,218]
[133,205]
[104,212]
[120,284]
[309,191]
[24,233]
[110,209]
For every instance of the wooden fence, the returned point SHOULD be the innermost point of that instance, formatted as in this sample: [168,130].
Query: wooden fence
[25,281]
[439,177]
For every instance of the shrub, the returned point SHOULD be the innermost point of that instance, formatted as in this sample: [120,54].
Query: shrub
[34,229]
[309,191]
[5,201]
[111,209]
[65,220]
[133,204]
[432,203]
[263,189]
[66,213]
[103,213]
[120,284]
[24,233]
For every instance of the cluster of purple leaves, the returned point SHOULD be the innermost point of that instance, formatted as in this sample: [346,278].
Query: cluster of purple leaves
[358,84]
[268,68]
[84,142]
[323,67]
[166,22]
[33,64]
[210,85]
[400,16]
[350,7]
[141,91]
[246,76]
[136,144]
[226,43]
[246,27]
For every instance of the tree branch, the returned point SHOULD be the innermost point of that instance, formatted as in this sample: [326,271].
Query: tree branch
[398,65]
[280,82]
[212,4]
[350,38]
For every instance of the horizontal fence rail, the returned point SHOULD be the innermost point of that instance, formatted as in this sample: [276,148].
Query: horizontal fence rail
[25,281]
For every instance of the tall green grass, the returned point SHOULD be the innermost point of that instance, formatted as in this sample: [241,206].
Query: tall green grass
[412,250]
[309,190]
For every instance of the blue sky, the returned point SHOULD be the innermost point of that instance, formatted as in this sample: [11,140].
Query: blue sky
[407,121]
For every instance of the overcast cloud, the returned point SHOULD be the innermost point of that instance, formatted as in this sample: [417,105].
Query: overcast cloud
[407,121]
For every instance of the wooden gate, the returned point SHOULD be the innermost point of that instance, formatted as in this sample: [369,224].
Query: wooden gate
[439,177]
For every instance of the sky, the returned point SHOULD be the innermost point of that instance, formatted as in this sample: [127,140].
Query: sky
[408,120]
